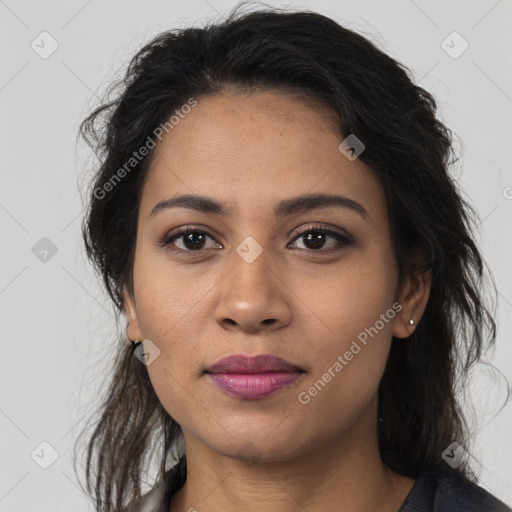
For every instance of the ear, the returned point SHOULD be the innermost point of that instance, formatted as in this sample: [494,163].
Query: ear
[413,298]
[132,329]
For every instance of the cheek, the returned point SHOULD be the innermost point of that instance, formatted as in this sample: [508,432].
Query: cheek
[168,312]
[348,298]
[347,363]
[348,319]
[170,298]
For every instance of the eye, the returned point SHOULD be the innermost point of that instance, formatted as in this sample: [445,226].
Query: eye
[191,239]
[314,239]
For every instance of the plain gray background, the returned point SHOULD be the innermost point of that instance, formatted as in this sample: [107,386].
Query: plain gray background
[57,323]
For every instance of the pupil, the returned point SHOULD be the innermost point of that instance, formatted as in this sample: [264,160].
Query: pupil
[317,239]
[192,237]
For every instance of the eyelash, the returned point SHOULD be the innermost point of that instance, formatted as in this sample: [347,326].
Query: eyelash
[343,239]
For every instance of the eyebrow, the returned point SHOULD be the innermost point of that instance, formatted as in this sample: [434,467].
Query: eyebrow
[282,209]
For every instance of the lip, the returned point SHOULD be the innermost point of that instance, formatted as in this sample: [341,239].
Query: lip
[262,363]
[253,377]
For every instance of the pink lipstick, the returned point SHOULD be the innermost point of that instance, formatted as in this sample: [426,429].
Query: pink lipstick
[253,377]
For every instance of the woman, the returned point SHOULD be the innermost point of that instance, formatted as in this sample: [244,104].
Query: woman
[274,217]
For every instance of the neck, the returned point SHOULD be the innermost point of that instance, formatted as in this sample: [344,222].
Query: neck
[348,472]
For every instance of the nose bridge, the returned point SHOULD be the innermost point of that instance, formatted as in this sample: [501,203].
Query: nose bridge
[251,293]
[251,271]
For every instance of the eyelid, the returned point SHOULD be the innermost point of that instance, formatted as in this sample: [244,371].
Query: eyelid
[326,228]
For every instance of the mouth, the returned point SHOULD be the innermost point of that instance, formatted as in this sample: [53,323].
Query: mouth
[263,363]
[253,377]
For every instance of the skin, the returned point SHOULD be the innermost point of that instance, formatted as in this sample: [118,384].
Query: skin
[304,304]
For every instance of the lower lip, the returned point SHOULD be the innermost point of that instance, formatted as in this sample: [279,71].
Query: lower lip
[252,386]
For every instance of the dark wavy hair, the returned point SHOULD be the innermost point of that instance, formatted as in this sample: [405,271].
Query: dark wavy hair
[307,54]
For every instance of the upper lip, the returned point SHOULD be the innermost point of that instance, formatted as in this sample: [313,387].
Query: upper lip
[261,363]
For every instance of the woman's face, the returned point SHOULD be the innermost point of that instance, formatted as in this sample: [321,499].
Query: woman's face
[252,285]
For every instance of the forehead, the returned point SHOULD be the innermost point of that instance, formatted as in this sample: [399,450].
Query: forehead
[251,150]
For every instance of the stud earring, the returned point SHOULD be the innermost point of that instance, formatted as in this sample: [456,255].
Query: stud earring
[411,321]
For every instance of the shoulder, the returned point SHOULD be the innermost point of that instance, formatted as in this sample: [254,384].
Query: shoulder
[446,490]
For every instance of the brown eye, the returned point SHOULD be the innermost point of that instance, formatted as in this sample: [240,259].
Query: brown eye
[193,241]
[190,240]
[315,239]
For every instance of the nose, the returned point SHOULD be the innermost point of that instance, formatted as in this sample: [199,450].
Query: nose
[252,297]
